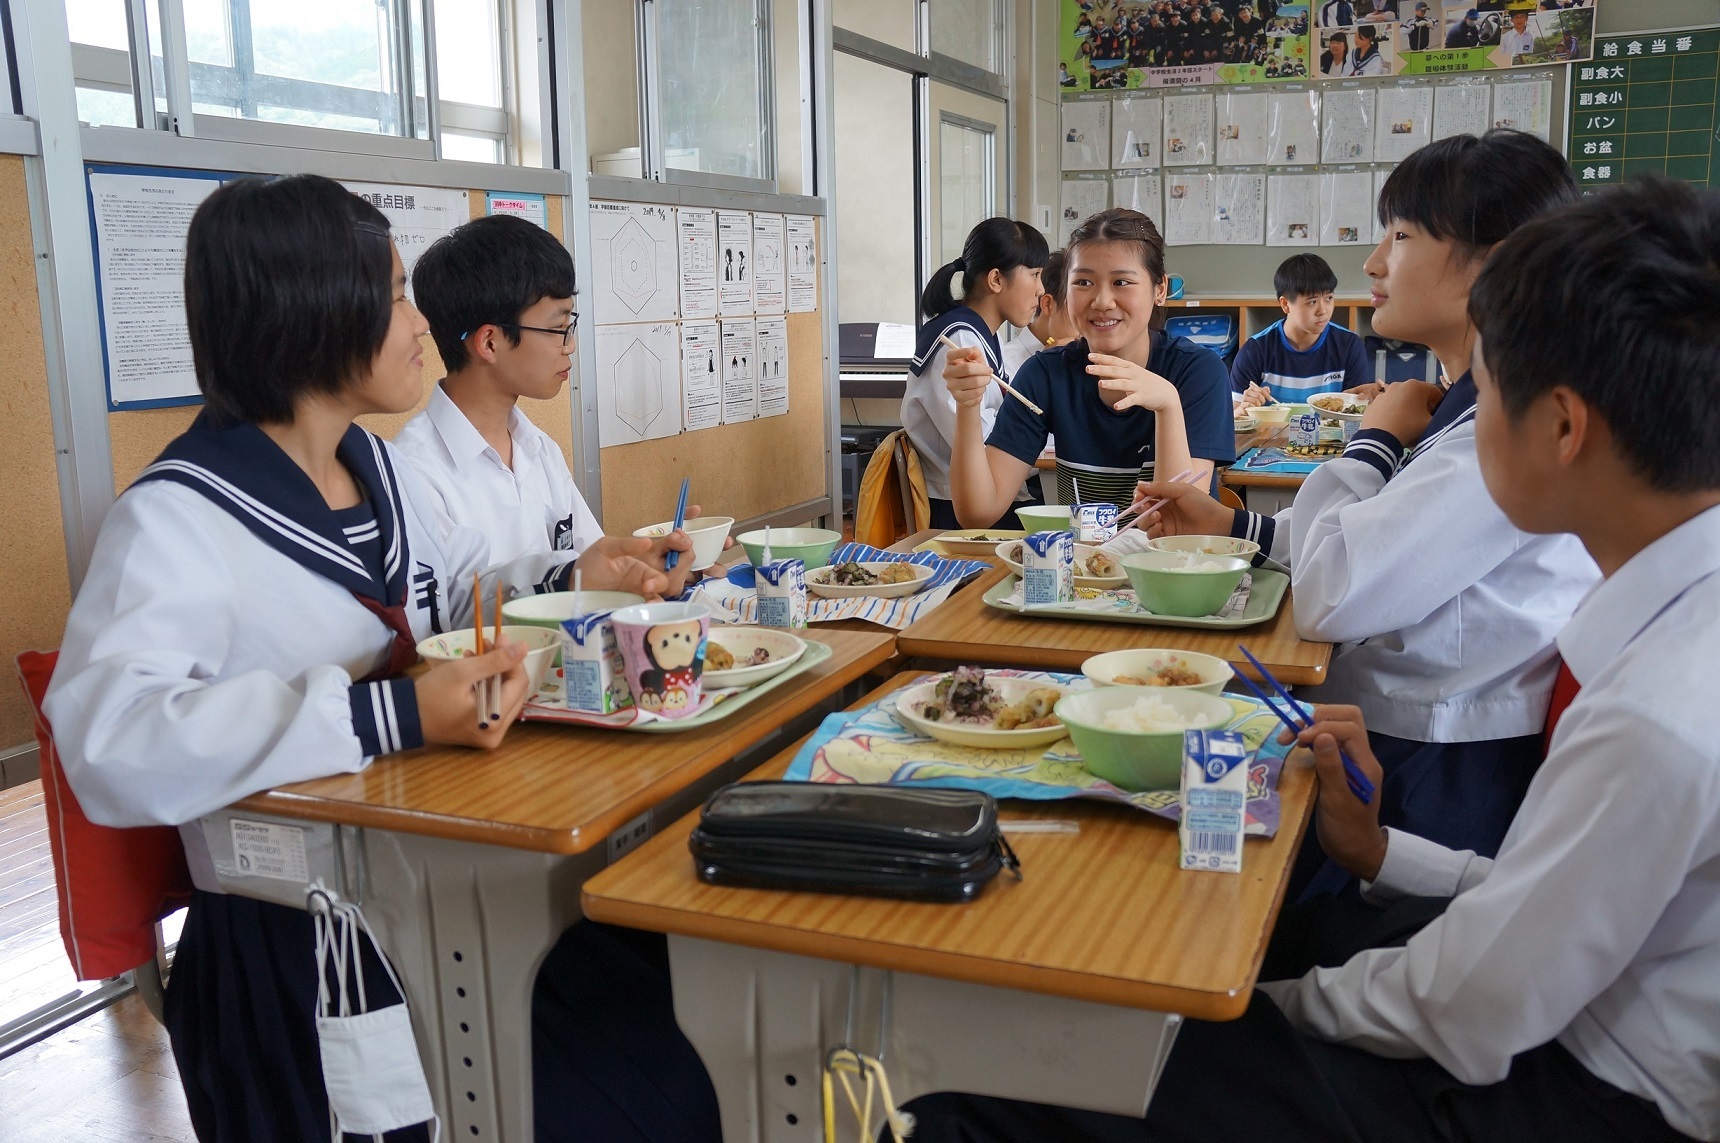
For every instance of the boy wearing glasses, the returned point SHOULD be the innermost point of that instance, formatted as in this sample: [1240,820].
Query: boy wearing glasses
[498,293]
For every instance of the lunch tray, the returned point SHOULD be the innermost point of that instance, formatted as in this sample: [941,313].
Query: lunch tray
[724,703]
[1263,600]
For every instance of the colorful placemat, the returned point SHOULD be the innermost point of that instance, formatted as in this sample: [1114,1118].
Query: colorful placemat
[868,746]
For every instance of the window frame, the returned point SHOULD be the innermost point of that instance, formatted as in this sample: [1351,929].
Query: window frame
[142,74]
[651,149]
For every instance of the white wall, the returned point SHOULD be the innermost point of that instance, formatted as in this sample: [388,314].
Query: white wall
[874,110]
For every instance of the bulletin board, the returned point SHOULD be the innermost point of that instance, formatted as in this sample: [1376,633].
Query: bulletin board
[1646,105]
[33,558]
[137,436]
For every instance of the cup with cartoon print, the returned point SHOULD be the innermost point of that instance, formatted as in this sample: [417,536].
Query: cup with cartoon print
[663,654]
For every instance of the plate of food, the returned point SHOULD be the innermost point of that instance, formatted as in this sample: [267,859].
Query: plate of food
[965,708]
[1245,424]
[886,579]
[973,541]
[1093,568]
[743,656]
[1339,405]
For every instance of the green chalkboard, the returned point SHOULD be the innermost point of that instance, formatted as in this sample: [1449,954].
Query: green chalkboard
[1646,105]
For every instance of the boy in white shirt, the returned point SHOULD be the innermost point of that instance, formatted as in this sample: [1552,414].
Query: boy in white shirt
[1571,989]
[498,294]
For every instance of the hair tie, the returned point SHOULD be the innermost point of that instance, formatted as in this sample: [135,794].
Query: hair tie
[960,264]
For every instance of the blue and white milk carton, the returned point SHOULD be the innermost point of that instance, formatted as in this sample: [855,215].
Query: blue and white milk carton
[1214,800]
[593,678]
[781,588]
[1048,568]
[1304,430]
[1094,523]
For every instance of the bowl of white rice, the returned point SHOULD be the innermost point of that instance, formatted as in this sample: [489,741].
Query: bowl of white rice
[1132,737]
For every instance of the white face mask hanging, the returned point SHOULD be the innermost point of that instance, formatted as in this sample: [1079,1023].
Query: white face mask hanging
[371,1070]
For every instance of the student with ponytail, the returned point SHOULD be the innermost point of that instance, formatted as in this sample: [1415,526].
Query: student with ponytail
[1000,266]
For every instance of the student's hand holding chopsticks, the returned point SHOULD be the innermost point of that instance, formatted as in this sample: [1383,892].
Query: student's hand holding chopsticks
[1403,410]
[1348,828]
[622,563]
[1141,387]
[449,695]
[1184,510]
[1255,396]
[967,376]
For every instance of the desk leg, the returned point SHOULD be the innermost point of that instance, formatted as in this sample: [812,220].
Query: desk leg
[762,1022]
[467,927]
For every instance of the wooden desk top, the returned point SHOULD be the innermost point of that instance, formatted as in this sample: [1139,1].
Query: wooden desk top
[968,630]
[1262,436]
[561,789]
[1104,915]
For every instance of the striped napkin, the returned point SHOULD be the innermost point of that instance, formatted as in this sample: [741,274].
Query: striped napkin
[732,604]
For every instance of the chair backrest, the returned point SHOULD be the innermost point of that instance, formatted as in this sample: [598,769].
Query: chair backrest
[1228,497]
[891,502]
[113,884]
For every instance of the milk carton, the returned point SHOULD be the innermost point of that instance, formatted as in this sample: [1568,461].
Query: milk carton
[1304,431]
[1048,568]
[592,672]
[1214,797]
[781,588]
[1094,523]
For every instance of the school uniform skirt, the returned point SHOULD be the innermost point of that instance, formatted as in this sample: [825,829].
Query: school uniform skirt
[609,1061]
[944,511]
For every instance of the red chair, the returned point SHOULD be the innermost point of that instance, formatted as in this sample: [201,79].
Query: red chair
[114,885]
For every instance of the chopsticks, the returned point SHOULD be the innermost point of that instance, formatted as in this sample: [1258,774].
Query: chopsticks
[1353,776]
[1141,507]
[944,339]
[672,557]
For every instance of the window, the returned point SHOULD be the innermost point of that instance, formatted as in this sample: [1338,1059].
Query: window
[893,22]
[713,84]
[967,30]
[344,65]
[966,163]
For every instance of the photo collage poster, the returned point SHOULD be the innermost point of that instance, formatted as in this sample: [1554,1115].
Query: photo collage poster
[1119,45]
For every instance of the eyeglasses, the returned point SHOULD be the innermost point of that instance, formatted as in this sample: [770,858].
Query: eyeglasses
[565,334]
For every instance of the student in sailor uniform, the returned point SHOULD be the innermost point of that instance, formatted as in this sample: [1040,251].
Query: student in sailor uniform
[1570,990]
[1000,266]
[1443,610]
[498,293]
[1121,399]
[1367,60]
[251,603]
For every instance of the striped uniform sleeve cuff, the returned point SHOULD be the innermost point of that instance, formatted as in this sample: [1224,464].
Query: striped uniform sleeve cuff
[385,716]
[558,579]
[1256,527]
[1377,448]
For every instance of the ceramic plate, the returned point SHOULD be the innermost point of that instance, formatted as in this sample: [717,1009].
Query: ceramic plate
[740,641]
[910,700]
[973,542]
[1096,582]
[817,581]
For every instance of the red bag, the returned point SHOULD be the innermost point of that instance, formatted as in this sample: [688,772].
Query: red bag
[113,884]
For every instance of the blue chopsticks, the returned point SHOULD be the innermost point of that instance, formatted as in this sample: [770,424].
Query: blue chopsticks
[672,557]
[1358,781]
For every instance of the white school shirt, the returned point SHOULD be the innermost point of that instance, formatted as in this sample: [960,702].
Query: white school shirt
[1444,612]
[1599,922]
[201,665]
[1016,352]
[529,509]
[929,413]
[1514,43]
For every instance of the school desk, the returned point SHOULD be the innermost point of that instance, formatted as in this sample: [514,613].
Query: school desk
[1265,492]
[966,629]
[468,864]
[1066,987]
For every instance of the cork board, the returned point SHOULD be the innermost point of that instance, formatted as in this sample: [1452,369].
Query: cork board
[139,435]
[33,552]
[742,470]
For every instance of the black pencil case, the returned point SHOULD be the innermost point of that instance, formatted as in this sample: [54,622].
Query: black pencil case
[927,845]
